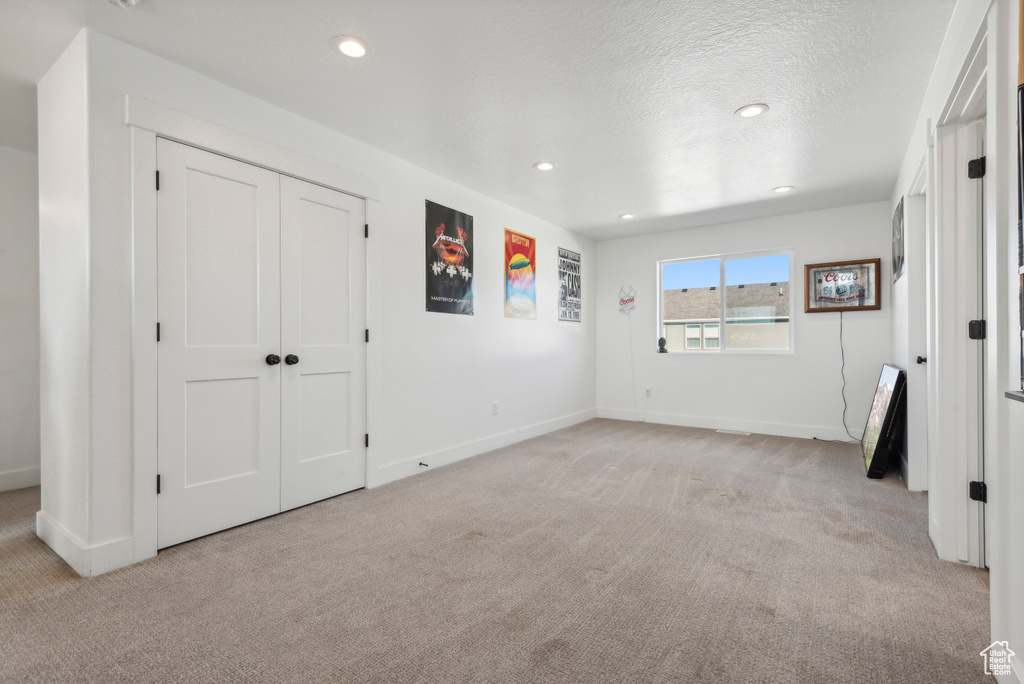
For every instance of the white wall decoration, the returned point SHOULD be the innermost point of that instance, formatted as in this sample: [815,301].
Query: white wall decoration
[627,300]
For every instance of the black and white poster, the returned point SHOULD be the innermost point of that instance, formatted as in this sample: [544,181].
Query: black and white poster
[449,260]
[568,285]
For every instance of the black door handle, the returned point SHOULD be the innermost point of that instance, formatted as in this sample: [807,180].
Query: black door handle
[921,359]
[291,359]
[273,359]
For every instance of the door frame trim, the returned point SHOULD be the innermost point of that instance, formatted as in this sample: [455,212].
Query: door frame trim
[147,121]
[140,113]
[968,101]
[958,284]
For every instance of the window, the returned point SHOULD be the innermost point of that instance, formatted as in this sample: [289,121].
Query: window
[746,297]
[693,335]
[711,336]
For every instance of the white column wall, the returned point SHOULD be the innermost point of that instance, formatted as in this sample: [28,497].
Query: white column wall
[19,319]
[1004,436]
[64,321]
[1004,440]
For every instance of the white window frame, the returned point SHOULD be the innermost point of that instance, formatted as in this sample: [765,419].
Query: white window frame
[722,258]
[704,335]
[687,338]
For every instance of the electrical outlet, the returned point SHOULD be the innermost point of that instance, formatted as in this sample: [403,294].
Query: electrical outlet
[494,408]
[647,392]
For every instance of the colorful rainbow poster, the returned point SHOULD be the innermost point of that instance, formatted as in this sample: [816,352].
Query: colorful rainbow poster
[520,275]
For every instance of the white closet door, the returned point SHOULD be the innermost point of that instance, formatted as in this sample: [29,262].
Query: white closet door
[323,296]
[218,232]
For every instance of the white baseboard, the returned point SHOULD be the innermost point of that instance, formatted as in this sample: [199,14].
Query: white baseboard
[19,479]
[1018,671]
[410,466]
[87,561]
[1017,676]
[752,426]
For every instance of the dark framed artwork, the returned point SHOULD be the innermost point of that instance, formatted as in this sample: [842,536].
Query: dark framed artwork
[898,262]
[883,433]
[449,260]
[842,286]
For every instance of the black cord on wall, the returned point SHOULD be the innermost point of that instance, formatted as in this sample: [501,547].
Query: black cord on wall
[842,372]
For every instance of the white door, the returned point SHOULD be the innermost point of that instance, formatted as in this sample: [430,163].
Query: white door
[323,295]
[218,235]
[957,523]
[915,230]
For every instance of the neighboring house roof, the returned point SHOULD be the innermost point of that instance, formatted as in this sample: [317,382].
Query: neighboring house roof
[703,302]
[1003,646]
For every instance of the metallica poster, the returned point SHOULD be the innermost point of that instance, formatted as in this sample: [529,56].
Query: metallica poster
[449,260]
[568,285]
[520,280]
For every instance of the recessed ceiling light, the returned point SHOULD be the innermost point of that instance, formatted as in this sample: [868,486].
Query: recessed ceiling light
[350,46]
[544,165]
[627,216]
[752,110]
[782,188]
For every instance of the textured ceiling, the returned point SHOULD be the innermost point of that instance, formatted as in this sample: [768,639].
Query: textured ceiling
[633,99]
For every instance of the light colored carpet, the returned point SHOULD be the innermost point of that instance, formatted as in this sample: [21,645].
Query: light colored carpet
[606,552]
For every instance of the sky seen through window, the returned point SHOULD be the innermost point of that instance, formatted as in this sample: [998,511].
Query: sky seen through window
[705,272]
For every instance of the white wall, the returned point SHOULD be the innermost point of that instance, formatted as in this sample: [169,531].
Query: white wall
[796,393]
[1004,439]
[1006,540]
[899,353]
[64,299]
[19,320]
[898,313]
[1004,436]
[438,374]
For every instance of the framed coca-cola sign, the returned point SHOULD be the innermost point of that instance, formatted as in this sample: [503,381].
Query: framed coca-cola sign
[842,286]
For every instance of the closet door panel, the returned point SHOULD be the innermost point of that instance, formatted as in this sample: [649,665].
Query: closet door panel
[323,291]
[219,402]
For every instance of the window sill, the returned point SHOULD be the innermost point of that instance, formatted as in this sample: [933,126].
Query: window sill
[734,352]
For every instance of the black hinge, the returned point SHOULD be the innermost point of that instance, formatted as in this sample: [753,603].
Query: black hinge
[158,331]
[367,439]
[976,330]
[366,230]
[157,484]
[978,492]
[976,168]
[158,181]
[367,334]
